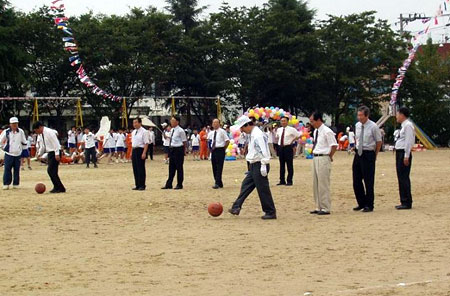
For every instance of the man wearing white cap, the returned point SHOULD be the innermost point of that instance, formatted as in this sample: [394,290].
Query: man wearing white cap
[12,141]
[258,157]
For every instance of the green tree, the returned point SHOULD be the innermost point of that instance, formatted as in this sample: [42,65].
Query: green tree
[129,56]
[13,59]
[426,91]
[359,54]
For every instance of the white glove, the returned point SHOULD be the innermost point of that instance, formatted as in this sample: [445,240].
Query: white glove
[263,170]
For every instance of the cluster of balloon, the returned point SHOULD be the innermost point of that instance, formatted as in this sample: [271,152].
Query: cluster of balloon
[271,113]
[309,148]
[231,151]
[306,140]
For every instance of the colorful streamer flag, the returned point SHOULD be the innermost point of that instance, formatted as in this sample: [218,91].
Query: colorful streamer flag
[70,45]
[417,41]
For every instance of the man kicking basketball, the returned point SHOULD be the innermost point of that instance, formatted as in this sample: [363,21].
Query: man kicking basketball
[258,157]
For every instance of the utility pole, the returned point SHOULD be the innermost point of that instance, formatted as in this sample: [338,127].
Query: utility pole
[401,24]
[404,20]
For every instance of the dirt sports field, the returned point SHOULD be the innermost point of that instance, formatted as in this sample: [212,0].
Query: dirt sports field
[101,238]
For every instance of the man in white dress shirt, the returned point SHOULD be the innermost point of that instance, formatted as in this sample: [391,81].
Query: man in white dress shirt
[177,151]
[139,142]
[403,153]
[286,136]
[51,146]
[324,148]
[219,141]
[12,141]
[258,157]
[368,144]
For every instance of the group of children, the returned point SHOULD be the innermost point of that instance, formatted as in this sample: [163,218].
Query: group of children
[88,147]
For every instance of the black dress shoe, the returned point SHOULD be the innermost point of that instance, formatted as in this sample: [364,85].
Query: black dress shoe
[323,213]
[367,210]
[95,166]
[281,184]
[269,217]
[221,186]
[215,186]
[288,184]
[403,207]
[57,190]
[358,208]
[135,188]
[314,212]
[141,189]
[234,211]
[178,187]
[166,187]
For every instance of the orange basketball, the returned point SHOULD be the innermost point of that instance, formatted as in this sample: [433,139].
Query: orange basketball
[40,188]
[215,209]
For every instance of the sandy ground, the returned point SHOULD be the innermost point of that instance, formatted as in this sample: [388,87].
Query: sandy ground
[101,238]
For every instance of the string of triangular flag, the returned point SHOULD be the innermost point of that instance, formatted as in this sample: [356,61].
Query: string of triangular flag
[70,45]
[417,41]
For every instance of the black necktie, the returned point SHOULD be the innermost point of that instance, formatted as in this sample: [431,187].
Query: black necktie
[316,138]
[214,141]
[43,141]
[171,136]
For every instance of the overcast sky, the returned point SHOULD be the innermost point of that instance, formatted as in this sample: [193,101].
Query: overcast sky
[387,9]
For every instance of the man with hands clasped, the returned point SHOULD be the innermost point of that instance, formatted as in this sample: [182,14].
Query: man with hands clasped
[324,148]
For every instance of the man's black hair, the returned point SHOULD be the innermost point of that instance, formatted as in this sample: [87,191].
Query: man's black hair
[365,110]
[37,125]
[404,111]
[317,115]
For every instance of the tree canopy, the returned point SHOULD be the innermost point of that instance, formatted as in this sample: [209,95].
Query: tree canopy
[277,54]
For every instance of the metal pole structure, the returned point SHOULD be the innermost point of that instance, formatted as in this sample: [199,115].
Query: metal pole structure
[35,111]
[173,106]
[401,25]
[79,118]
[219,109]
[124,113]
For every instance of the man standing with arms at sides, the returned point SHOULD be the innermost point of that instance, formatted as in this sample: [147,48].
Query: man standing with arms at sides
[286,136]
[139,142]
[72,140]
[368,144]
[177,150]
[152,142]
[51,146]
[219,141]
[324,148]
[403,155]
[90,153]
[258,157]
[12,140]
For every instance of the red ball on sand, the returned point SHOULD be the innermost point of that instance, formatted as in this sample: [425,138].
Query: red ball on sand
[215,209]
[40,188]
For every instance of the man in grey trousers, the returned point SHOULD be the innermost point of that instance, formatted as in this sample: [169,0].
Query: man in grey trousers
[258,157]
